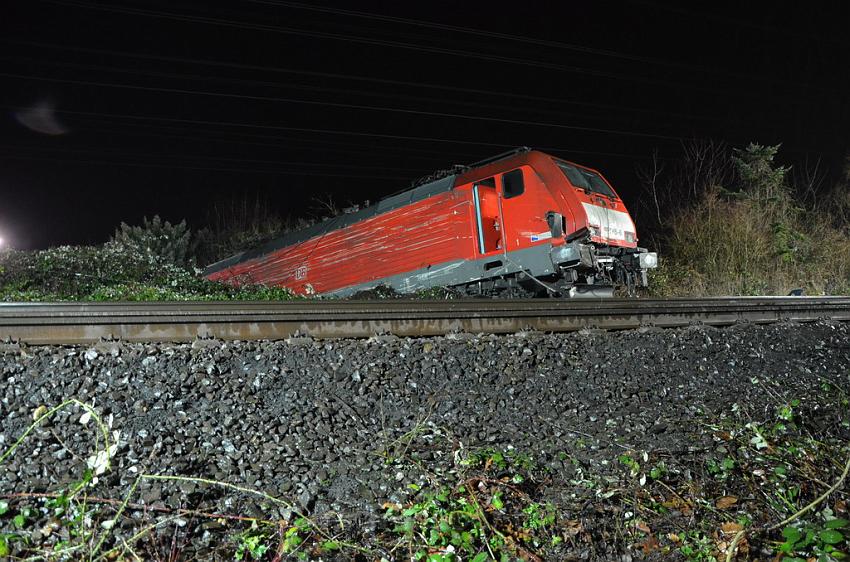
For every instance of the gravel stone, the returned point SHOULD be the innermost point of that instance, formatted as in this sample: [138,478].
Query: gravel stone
[334,424]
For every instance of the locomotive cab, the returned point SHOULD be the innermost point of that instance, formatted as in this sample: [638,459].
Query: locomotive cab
[600,248]
[563,219]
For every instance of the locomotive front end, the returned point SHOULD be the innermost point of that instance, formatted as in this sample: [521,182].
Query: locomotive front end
[594,238]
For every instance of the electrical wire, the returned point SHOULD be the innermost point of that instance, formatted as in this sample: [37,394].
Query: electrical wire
[350,106]
[212,169]
[395,44]
[327,131]
[461,30]
[348,91]
[134,154]
[318,74]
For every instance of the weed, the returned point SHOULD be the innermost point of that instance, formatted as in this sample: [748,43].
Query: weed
[720,469]
[252,545]
[698,547]
[440,520]
[826,540]
[630,463]
[658,471]
[539,516]
[295,536]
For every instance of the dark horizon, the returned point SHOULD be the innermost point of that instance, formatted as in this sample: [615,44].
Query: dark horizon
[115,111]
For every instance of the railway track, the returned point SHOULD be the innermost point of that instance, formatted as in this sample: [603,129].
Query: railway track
[68,323]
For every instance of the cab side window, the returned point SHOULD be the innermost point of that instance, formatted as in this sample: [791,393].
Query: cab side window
[512,184]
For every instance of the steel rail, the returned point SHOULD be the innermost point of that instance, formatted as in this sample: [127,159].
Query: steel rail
[70,323]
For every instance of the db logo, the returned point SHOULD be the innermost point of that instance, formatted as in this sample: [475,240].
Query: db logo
[301,273]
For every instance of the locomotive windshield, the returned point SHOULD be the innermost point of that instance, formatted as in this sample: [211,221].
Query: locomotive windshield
[587,180]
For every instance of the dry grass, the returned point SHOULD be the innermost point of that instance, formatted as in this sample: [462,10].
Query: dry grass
[753,240]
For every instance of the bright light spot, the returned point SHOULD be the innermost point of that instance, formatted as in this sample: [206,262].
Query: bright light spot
[1,241]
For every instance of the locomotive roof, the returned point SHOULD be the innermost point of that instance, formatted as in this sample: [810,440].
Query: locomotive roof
[388,203]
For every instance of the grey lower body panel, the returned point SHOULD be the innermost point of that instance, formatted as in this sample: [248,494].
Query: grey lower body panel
[535,260]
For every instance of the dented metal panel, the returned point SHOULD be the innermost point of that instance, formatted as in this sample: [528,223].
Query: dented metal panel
[415,236]
[386,204]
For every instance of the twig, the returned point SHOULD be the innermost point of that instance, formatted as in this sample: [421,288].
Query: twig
[740,534]
[65,446]
[583,434]
[819,500]
[483,518]
[471,481]
[675,493]
[138,506]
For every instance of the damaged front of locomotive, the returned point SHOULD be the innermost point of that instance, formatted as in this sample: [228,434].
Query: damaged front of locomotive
[594,240]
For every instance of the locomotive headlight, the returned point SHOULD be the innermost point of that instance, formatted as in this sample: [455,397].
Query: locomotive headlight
[630,237]
[648,260]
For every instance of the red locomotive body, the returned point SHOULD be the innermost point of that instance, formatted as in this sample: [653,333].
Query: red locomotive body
[522,220]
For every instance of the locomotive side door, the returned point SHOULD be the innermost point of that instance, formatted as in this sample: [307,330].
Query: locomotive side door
[488,219]
[523,223]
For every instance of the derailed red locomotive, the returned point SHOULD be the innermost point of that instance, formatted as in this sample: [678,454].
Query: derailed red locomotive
[520,222]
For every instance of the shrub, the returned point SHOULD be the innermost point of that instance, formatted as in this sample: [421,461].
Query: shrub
[238,225]
[112,272]
[751,237]
[169,243]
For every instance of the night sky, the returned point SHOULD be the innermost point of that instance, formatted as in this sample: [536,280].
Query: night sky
[115,110]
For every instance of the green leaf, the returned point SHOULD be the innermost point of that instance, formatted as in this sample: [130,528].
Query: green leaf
[480,557]
[19,521]
[831,536]
[4,507]
[793,534]
[330,545]
[831,524]
[810,538]
[497,502]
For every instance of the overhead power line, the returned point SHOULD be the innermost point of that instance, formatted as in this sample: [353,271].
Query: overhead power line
[343,105]
[300,143]
[141,119]
[554,102]
[395,44]
[282,172]
[135,154]
[463,31]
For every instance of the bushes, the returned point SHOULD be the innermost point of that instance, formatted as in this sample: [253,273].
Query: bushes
[111,272]
[157,238]
[238,225]
[751,237]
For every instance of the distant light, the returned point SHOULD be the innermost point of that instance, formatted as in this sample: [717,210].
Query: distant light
[1,242]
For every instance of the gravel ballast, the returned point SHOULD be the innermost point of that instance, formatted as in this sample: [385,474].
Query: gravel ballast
[329,426]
